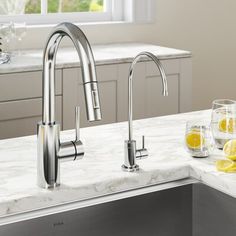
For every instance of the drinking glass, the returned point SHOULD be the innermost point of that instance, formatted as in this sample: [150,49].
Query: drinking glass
[223,121]
[198,139]
[4,58]
[19,33]
[6,33]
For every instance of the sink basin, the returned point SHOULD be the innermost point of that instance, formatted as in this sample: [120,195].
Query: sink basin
[188,210]
[164,213]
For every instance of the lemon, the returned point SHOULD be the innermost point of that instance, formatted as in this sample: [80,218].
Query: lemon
[226,166]
[227,125]
[194,140]
[230,149]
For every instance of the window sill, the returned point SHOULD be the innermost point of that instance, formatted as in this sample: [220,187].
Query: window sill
[49,26]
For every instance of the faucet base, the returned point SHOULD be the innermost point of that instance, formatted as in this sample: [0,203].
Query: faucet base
[130,156]
[130,169]
[48,175]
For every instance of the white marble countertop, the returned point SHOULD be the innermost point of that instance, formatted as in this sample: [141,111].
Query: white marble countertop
[103,54]
[99,173]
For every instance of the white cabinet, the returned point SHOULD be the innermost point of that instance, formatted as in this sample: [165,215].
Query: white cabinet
[20,118]
[110,88]
[155,103]
[113,87]
[21,102]
[21,95]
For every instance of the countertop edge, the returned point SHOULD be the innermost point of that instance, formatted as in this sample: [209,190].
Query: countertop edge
[18,217]
[100,60]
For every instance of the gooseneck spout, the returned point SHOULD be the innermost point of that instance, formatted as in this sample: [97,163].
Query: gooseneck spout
[84,51]
[50,150]
[131,153]
[130,85]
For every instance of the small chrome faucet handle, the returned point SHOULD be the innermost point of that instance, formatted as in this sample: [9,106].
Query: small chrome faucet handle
[143,142]
[143,152]
[77,123]
[72,150]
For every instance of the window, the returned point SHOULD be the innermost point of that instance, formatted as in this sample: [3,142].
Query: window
[55,11]
[60,6]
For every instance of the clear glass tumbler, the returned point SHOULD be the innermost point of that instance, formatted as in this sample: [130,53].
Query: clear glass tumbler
[198,139]
[19,30]
[223,121]
[5,36]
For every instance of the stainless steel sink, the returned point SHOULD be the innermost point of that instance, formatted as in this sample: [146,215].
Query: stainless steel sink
[190,210]
[162,213]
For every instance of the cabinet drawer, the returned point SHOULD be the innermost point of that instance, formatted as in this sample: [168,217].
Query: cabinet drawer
[25,85]
[20,118]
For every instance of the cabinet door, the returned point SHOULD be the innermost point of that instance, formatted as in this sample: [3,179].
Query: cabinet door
[147,90]
[139,99]
[73,95]
[156,103]
[20,118]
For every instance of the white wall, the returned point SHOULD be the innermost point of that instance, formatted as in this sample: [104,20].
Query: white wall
[208,29]
[205,27]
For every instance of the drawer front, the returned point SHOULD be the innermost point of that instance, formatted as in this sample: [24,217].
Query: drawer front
[25,85]
[20,118]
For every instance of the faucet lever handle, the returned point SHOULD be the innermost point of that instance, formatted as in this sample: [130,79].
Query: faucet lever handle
[77,123]
[142,153]
[143,142]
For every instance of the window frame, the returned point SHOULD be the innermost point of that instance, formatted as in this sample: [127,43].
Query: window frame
[113,12]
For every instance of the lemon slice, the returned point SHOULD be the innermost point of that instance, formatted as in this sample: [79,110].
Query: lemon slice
[194,140]
[227,125]
[226,166]
[230,149]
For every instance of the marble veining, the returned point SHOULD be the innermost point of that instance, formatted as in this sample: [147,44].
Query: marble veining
[99,173]
[31,60]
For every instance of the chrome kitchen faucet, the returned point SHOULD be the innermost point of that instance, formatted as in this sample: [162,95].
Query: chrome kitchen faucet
[131,152]
[50,150]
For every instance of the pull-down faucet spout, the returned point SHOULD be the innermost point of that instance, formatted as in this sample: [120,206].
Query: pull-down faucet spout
[50,149]
[87,66]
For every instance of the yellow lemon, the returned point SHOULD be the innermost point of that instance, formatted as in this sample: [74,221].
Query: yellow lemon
[227,125]
[226,166]
[230,149]
[194,140]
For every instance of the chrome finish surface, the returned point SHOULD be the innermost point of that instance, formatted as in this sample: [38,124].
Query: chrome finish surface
[77,124]
[50,150]
[70,151]
[87,66]
[47,161]
[131,153]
